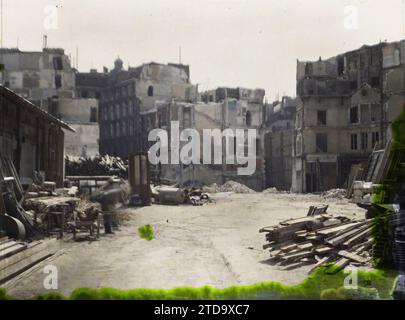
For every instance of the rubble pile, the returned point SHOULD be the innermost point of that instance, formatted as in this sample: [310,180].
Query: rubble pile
[338,194]
[229,186]
[96,166]
[318,239]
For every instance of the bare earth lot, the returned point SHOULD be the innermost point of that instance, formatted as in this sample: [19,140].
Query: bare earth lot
[217,244]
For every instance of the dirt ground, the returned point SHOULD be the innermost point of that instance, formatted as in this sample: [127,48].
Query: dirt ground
[217,244]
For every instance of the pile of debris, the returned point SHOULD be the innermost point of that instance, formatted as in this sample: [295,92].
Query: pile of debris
[96,166]
[229,186]
[319,238]
[176,196]
[335,194]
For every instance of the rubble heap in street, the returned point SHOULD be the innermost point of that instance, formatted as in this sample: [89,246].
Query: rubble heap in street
[96,166]
[229,186]
[319,238]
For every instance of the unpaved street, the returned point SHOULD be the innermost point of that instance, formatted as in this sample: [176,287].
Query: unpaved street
[217,244]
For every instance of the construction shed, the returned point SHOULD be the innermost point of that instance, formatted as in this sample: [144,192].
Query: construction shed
[31,138]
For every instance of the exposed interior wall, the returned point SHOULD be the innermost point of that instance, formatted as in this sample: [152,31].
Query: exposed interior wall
[38,75]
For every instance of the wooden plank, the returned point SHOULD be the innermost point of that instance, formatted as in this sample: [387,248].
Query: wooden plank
[299,255]
[320,263]
[363,246]
[339,265]
[358,238]
[5,240]
[352,256]
[337,240]
[25,264]
[306,246]
[289,247]
[323,250]
[7,244]
[12,250]
[334,230]
[33,248]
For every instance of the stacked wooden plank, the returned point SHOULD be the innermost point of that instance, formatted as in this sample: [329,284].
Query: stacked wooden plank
[17,257]
[319,239]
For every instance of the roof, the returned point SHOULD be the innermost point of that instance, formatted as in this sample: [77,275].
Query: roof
[29,105]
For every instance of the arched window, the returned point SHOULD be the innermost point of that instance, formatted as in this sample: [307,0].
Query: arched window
[150,91]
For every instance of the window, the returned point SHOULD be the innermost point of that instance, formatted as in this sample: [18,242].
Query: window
[375,138]
[150,91]
[375,81]
[321,118]
[375,113]
[187,117]
[321,142]
[354,114]
[58,81]
[364,141]
[364,113]
[248,119]
[57,63]
[308,69]
[93,114]
[353,138]
[85,94]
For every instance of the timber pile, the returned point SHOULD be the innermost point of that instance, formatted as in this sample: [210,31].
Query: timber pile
[319,239]
[17,257]
[96,166]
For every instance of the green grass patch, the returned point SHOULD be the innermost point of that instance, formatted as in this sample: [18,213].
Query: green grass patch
[376,284]
[146,232]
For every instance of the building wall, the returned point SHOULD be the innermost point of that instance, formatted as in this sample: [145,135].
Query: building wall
[129,99]
[32,142]
[38,76]
[357,105]
[279,143]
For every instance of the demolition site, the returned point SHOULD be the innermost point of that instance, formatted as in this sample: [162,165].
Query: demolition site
[89,198]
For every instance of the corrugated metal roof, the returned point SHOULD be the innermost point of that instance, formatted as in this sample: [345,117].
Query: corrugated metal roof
[26,103]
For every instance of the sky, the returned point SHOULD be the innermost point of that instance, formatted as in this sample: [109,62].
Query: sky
[246,43]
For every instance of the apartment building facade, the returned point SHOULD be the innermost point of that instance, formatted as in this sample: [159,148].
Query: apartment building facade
[345,108]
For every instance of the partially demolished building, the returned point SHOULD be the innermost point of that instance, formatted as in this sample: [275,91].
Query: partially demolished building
[278,143]
[128,101]
[47,79]
[219,109]
[345,107]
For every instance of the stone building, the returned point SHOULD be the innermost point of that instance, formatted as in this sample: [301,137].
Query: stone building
[278,143]
[223,108]
[47,79]
[345,108]
[38,75]
[128,99]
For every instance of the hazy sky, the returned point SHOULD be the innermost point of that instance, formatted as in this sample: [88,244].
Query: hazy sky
[249,43]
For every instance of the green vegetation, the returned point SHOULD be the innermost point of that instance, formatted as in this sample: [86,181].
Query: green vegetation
[146,232]
[4,295]
[320,285]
